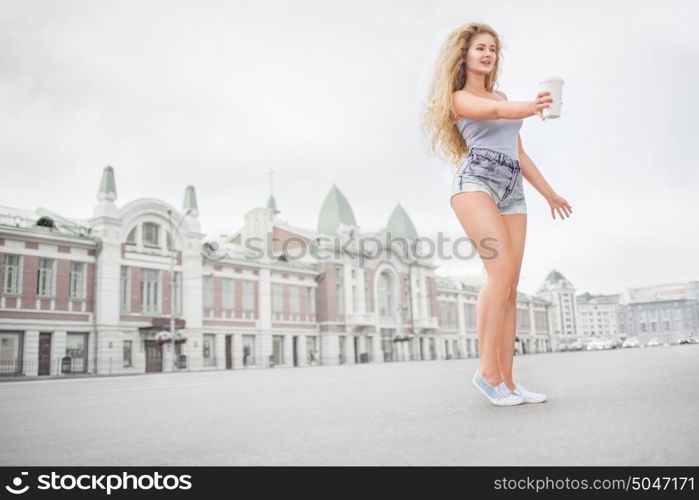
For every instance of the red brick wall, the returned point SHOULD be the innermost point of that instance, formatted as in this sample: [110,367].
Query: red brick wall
[29,274]
[90,306]
[326,293]
[432,291]
[135,290]
[165,283]
[62,284]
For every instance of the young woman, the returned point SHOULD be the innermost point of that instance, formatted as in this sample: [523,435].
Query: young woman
[477,130]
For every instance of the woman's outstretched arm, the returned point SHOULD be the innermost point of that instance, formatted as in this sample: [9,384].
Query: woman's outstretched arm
[536,179]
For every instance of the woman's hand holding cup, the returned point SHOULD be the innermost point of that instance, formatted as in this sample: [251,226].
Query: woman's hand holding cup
[543,100]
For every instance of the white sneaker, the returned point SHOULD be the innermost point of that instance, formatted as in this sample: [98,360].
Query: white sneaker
[529,396]
[500,395]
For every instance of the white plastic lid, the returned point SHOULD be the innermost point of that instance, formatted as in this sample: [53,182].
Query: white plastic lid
[552,79]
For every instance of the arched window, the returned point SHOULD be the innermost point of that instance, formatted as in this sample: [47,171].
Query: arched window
[131,238]
[386,299]
[150,234]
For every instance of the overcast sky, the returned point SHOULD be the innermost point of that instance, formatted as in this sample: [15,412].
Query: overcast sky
[216,93]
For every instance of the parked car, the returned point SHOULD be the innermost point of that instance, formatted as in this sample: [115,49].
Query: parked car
[687,340]
[631,342]
[575,346]
[596,345]
[616,343]
[653,342]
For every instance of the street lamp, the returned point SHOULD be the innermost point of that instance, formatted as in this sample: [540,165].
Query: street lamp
[173,333]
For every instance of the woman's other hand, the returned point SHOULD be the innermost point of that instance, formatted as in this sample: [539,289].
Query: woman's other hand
[559,205]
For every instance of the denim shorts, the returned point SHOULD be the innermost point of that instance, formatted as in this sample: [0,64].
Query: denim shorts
[494,173]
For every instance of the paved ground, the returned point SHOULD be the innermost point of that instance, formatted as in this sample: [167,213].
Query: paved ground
[621,407]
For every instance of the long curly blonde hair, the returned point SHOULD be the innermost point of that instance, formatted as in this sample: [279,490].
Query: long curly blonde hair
[449,76]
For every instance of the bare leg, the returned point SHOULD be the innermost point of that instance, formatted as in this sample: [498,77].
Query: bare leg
[483,224]
[516,229]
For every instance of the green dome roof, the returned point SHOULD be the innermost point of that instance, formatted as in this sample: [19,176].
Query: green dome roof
[400,225]
[335,210]
[554,277]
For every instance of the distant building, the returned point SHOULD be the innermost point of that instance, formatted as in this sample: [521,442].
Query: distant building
[598,315]
[560,292]
[667,312]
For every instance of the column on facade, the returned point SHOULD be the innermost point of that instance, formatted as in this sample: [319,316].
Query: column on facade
[30,356]
[220,351]
[347,285]
[302,350]
[329,348]
[361,292]
[461,320]
[58,350]
[289,349]
[263,347]
[424,296]
[375,348]
[237,350]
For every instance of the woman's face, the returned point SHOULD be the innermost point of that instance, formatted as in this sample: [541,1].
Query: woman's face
[482,53]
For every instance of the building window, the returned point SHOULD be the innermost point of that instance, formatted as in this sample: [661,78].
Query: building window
[339,299]
[150,291]
[76,350]
[294,299]
[208,290]
[131,238]
[11,275]
[125,290]
[127,354]
[150,234]
[228,293]
[385,296]
[45,278]
[10,352]
[248,296]
[178,293]
[277,298]
[310,300]
[77,288]
[208,347]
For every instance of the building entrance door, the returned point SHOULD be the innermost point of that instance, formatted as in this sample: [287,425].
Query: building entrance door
[154,356]
[44,354]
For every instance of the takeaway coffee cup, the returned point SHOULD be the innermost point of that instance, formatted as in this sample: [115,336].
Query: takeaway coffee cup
[553,84]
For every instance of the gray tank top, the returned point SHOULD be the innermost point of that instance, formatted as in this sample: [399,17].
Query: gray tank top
[499,135]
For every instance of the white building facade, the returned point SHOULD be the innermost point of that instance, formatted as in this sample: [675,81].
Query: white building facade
[137,288]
